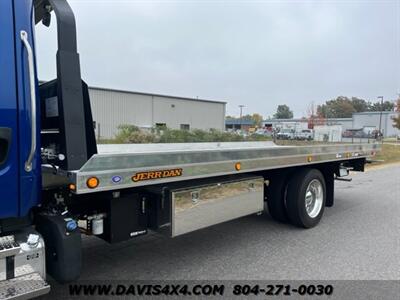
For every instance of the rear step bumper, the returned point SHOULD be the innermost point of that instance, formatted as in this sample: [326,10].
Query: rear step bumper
[24,287]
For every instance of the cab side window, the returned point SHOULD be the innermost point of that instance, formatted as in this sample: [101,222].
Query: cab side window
[5,142]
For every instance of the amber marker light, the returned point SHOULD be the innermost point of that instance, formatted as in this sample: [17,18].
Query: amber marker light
[309,159]
[72,187]
[92,182]
[238,166]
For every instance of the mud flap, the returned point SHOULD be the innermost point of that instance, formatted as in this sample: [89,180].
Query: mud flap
[63,247]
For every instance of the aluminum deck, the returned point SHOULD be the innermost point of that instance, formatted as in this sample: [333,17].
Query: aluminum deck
[127,166]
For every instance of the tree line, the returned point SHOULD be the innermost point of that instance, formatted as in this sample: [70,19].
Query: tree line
[340,107]
[344,107]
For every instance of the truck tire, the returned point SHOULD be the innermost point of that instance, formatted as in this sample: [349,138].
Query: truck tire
[276,201]
[305,198]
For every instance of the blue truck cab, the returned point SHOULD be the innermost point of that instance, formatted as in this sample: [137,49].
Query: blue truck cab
[19,186]
[27,131]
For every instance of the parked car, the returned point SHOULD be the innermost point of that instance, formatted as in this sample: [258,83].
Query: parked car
[305,134]
[285,134]
[263,131]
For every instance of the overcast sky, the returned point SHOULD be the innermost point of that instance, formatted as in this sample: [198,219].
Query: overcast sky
[257,53]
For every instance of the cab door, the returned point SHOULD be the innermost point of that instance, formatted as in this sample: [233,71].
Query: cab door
[28,118]
[9,164]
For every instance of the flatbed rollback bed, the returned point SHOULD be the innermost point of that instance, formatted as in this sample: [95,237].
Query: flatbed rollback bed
[56,183]
[202,160]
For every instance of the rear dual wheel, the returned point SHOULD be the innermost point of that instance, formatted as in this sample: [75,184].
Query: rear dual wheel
[301,201]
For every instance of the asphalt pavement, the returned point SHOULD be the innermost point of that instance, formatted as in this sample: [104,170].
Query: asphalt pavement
[358,239]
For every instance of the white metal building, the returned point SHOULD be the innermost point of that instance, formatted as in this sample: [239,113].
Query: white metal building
[367,121]
[302,123]
[371,120]
[112,108]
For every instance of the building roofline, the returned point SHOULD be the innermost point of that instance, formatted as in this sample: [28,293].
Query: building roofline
[305,120]
[286,120]
[156,95]
[239,122]
[374,112]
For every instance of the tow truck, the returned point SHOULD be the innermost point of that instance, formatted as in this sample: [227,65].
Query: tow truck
[57,184]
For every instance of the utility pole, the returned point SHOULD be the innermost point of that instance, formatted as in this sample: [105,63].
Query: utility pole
[241,116]
[380,115]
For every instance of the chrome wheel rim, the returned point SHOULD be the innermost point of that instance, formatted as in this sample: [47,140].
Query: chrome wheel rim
[314,198]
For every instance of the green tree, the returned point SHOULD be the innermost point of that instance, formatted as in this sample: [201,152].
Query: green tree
[283,112]
[359,105]
[257,118]
[344,107]
[385,106]
[341,107]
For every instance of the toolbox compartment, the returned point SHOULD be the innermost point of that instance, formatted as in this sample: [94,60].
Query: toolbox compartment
[181,209]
